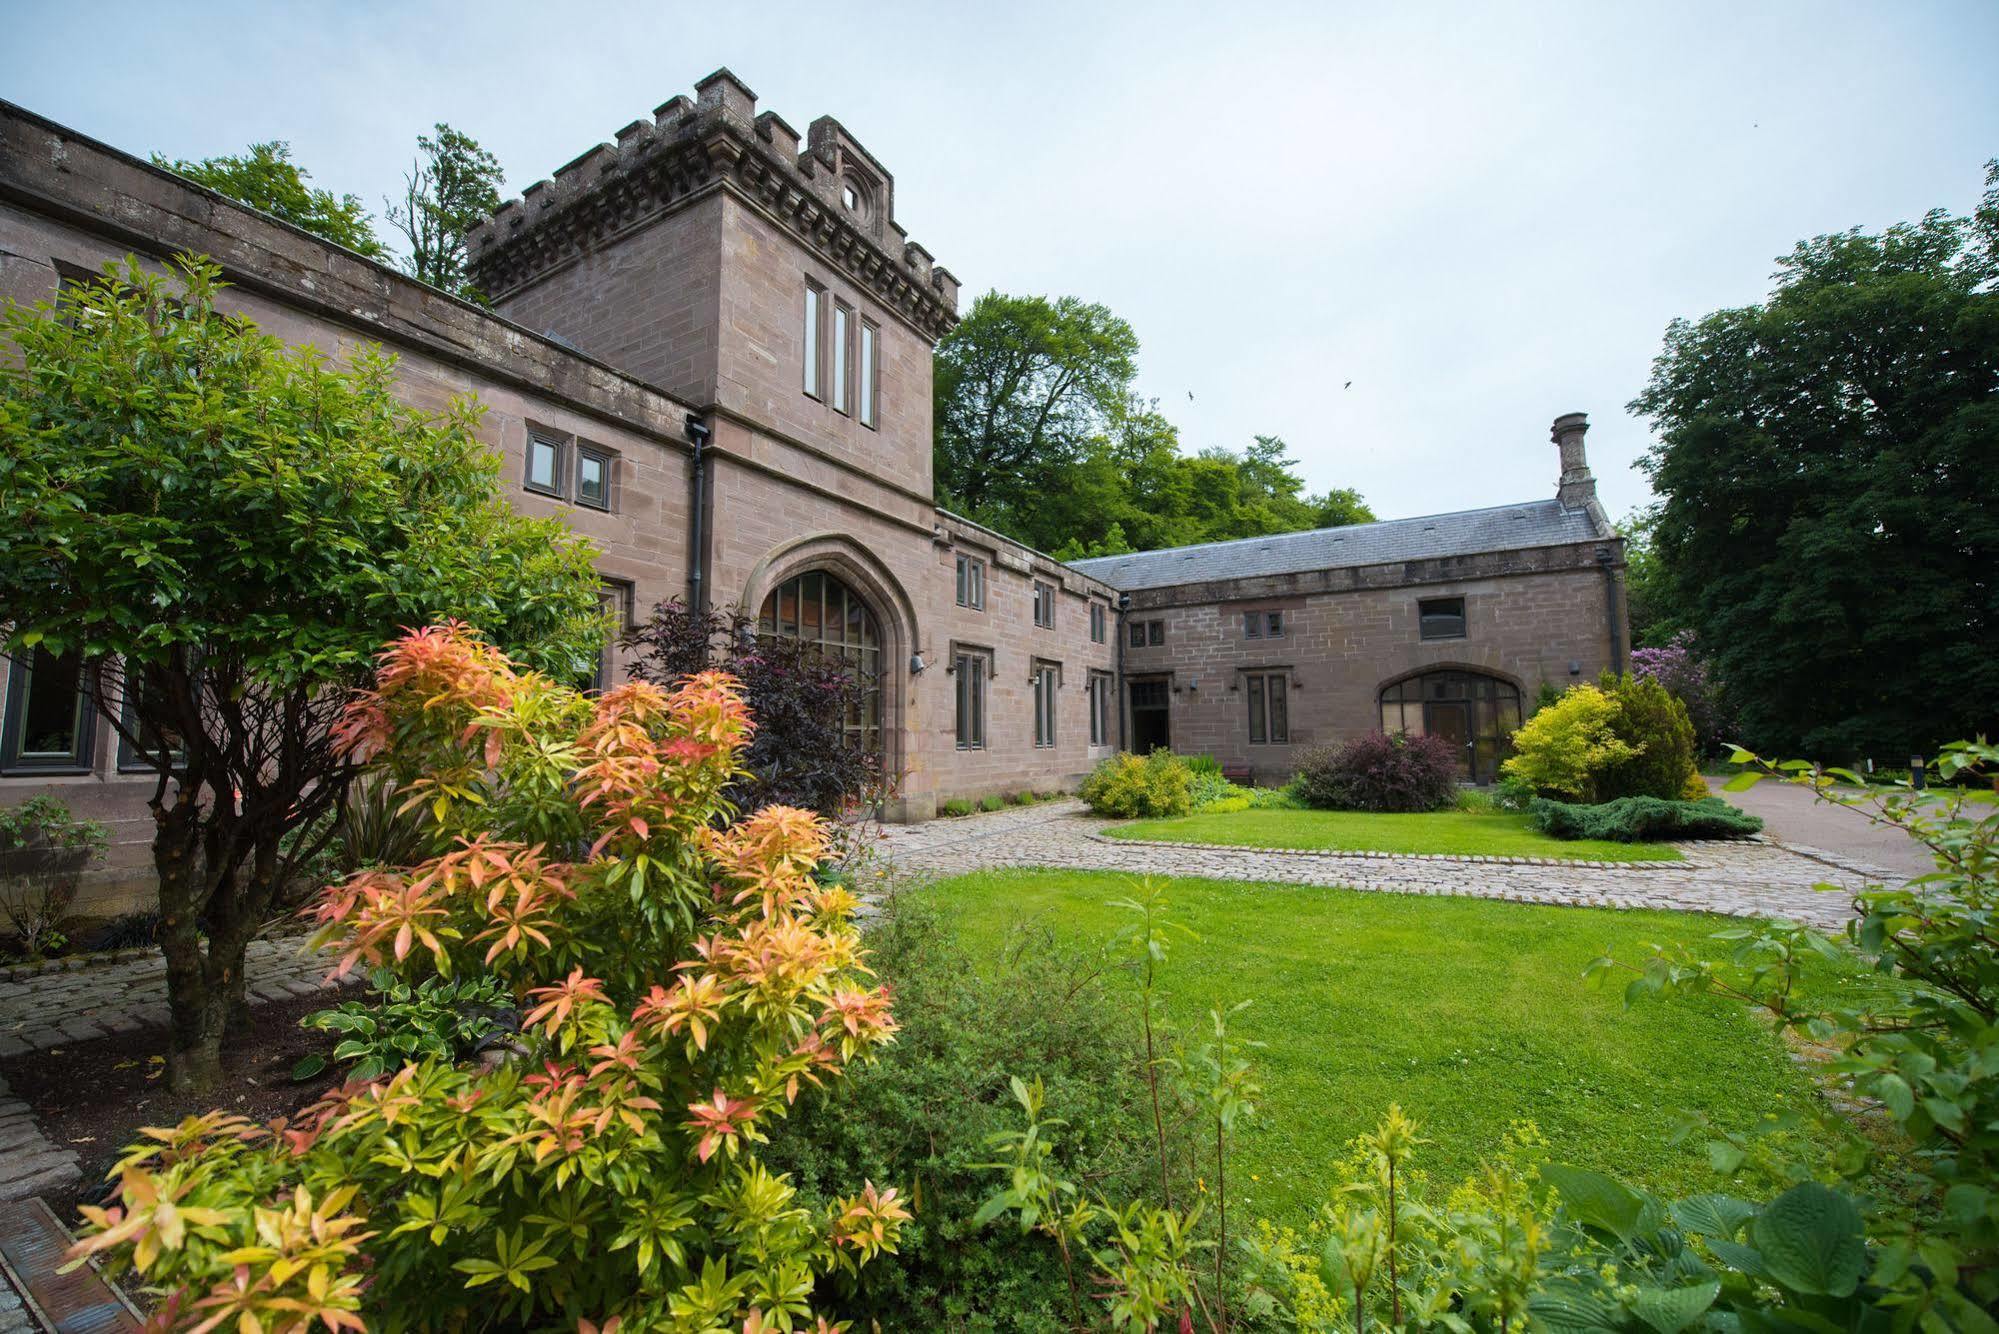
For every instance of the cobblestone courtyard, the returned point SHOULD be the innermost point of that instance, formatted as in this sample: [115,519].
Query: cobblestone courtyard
[1750,879]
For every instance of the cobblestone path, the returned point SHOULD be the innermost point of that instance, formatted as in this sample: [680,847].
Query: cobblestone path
[48,1008]
[1746,879]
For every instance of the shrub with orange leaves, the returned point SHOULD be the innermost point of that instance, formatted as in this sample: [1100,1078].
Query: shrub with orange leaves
[684,980]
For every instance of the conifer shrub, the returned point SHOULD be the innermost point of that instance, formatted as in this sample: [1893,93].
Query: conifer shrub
[1655,725]
[1378,772]
[1643,819]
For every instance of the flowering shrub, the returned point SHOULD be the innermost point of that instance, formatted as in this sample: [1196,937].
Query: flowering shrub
[1377,772]
[1127,786]
[684,982]
[1683,672]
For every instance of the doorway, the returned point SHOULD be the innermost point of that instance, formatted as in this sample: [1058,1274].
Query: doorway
[1151,728]
[1451,720]
[1476,713]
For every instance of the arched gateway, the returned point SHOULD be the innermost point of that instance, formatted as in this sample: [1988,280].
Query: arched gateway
[1475,712]
[820,610]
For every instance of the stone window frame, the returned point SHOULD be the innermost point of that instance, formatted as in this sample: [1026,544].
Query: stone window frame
[1267,623]
[609,458]
[1102,688]
[971,670]
[1424,613]
[842,377]
[1045,675]
[1044,605]
[1267,691]
[812,348]
[620,596]
[555,442]
[1100,617]
[129,759]
[971,588]
[1149,633]
[570,451]
[82,755]
[868,373]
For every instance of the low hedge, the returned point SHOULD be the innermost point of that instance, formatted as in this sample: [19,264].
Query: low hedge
[1643,819]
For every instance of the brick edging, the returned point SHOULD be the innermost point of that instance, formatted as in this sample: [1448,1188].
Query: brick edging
[1460,859]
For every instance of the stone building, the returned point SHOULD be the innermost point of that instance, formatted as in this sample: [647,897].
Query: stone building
[1449,624]
[709,350]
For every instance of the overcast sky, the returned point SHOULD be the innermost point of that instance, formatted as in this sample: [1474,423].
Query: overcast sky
[1480,215]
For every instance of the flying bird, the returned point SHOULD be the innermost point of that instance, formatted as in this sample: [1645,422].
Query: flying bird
[1347,385]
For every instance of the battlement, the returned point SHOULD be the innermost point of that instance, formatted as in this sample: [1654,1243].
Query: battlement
[826,189]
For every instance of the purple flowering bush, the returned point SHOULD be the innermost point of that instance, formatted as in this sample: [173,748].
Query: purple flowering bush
[1684,673]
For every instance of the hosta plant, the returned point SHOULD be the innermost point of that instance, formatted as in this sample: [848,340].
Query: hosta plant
[683,981]
[437,1017]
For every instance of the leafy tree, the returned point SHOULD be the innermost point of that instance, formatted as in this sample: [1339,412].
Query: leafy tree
[801,696]
[1022,385]
[1826,463]
[265,177]
[452,184]
[1644,593]
[224,530]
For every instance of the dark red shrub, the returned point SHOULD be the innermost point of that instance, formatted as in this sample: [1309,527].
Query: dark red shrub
[801,753]
[1376,772]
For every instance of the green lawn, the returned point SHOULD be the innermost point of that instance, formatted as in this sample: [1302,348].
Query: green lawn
[1466,833]
[1472,1014]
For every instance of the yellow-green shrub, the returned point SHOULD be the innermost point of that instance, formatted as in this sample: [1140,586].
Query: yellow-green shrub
[1127,787]
[1561,750]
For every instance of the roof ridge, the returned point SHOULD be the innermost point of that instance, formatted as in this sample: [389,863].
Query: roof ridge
[1312,532]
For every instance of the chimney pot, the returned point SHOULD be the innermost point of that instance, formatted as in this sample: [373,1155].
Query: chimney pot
[1577,488]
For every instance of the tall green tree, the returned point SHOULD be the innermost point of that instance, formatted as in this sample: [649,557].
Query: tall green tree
[1022,385]
[222,531]
[452,184]
[1039,436]
[1826,466]
[265,177]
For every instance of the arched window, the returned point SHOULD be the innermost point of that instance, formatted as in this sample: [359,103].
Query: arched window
[1476,713]
[820,610]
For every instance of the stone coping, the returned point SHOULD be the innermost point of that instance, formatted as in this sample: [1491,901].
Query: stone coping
[1460,859]
[71,963]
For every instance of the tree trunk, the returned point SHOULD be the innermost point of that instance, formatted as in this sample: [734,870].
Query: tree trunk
[194,1046]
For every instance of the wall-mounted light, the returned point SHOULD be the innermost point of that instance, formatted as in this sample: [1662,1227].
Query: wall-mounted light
[1193,683]
[916,663]
[1575,667]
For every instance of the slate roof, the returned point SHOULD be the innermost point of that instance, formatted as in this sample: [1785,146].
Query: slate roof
[1536,523]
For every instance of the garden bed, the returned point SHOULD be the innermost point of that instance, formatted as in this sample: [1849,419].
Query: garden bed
[1448,833]
[94,1096]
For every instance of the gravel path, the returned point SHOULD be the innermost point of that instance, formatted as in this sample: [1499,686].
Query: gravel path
[1795,815]
[1746,879]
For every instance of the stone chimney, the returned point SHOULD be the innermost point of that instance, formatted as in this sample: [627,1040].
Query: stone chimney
[1577,489]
